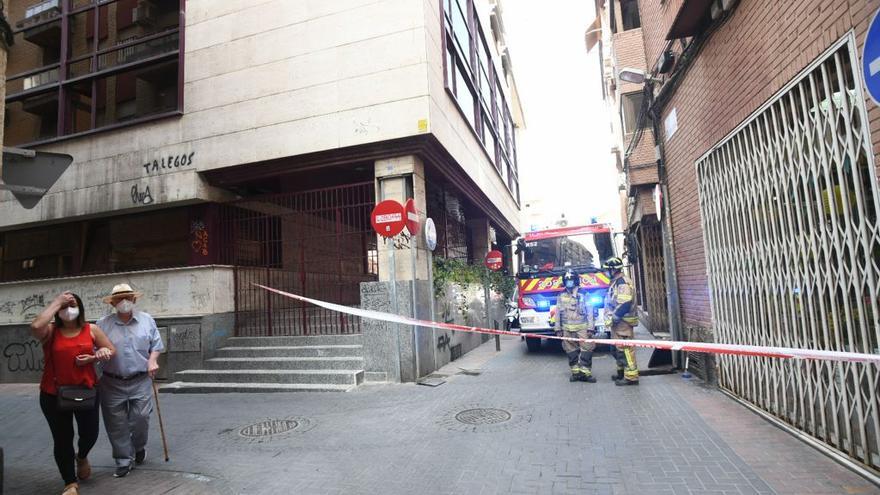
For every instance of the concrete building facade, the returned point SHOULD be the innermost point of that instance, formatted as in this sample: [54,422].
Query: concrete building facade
[247,142]
[767,144]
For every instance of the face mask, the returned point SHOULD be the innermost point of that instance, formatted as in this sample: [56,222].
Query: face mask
[124,306]
[68,314]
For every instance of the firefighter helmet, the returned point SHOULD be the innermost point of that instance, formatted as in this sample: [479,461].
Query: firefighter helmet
[569,275]
[614,263]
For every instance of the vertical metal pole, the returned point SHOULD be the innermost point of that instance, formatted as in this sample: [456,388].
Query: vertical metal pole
[396,309]
[415,338]
[486,303]
[431,305]
[394,303]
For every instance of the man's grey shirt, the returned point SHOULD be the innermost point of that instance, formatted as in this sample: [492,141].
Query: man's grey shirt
[134,341]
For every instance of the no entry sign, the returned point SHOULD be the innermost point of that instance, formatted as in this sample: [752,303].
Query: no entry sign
[412,217]
[388,218]
[494,260]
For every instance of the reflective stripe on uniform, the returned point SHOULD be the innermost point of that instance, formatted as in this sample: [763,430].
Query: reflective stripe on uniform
[575,327]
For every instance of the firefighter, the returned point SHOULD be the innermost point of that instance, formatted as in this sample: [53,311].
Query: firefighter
[621,318]
[574,318]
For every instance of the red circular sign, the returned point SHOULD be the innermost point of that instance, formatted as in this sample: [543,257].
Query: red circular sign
[388,218]
[412,217]
[494,260]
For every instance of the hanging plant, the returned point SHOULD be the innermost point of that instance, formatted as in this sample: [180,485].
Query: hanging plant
[463,274]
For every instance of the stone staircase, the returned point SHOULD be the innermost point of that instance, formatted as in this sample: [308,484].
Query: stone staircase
[321,363]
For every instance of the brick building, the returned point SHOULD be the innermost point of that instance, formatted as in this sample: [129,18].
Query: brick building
[221,144]
[622,46]
[768,159]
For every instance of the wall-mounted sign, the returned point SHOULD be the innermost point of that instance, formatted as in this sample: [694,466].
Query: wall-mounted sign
[430,234]
[658,201]
[871,60]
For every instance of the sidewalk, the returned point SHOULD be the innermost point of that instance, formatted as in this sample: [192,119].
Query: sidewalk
[511,424]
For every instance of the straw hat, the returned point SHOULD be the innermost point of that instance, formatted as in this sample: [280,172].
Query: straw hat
[121,290]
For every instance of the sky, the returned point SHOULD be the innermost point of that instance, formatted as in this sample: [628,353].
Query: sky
[565,151]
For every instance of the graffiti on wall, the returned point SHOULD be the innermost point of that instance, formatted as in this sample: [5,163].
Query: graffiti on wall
[443,341]
[171,162]
[24,356]
[199,233]
[139,197]
[27,307]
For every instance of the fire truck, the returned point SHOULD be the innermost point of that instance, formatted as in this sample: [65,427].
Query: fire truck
[543,256]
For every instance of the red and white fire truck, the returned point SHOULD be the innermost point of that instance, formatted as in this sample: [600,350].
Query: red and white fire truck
[543,256]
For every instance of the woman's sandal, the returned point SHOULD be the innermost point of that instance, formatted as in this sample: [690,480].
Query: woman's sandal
[71,489]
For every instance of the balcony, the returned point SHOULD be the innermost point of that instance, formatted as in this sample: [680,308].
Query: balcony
[36,24]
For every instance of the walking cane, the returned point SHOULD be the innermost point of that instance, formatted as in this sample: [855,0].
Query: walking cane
[161,426]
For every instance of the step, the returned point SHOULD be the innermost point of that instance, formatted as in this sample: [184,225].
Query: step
[292,351]
[219,388]
[298,340]
[286,363]
[317,377]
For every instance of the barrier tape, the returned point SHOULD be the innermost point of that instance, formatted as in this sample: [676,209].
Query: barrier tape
[711,348]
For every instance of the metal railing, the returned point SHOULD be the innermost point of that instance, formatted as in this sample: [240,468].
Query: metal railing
[789,205]
[134,50]
[40,79]
[40,10]
[316,243]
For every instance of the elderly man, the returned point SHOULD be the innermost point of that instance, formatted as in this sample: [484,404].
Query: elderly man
[126,386]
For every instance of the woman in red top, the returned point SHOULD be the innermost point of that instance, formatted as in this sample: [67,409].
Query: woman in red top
[71,346]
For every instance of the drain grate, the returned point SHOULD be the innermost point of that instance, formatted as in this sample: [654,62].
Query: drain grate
[268,428]
[483,416]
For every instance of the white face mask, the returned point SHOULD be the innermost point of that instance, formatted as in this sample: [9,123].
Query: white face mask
[68,314]
[124,306]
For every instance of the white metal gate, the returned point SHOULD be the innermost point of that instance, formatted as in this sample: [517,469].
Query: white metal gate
[789,207]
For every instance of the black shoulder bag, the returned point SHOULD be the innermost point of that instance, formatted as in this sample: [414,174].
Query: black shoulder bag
[72,397]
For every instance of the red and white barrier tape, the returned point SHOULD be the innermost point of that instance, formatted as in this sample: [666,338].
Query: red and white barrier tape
[734,349]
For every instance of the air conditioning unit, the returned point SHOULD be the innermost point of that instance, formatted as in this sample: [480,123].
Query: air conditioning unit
[144,14]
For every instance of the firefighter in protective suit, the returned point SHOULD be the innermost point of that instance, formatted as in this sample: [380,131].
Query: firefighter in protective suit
[621,318]
[574,318]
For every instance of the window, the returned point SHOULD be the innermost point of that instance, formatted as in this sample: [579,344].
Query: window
[79,65]
[629,10]
[632,104]
[476,88]
[150,240]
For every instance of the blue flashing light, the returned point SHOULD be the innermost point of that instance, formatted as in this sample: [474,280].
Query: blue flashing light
[543,304]
[595,300]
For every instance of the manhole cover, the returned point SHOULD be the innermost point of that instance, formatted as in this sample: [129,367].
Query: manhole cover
[482,416]
[268,428]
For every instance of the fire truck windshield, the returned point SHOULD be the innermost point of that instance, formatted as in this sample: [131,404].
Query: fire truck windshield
[579,251]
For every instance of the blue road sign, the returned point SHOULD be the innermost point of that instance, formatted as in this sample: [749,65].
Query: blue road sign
[871,60]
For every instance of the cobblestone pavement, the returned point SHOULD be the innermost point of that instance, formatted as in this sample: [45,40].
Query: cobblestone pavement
[518,426]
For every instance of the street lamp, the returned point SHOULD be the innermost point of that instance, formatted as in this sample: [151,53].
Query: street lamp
[635,76]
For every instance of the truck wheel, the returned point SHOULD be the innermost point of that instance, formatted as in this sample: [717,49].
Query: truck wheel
[533,344]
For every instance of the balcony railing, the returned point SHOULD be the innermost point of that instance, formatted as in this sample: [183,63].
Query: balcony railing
[46,77]
[40,12]
[139,51]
